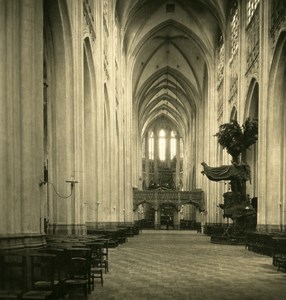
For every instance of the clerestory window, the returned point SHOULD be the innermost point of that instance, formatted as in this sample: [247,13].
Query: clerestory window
[151,146]
[173,145]
[162,145]
[181,148]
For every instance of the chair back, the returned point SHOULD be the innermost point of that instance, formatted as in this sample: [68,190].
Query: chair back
[43,269]
[12,271]
[79,268]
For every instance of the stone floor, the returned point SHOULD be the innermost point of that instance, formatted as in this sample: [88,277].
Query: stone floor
[183,265]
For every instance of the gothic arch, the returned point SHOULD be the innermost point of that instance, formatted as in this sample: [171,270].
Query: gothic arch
[251,104]
[251,155]
[89,126]
[107,150]
[276,130]
[60,95]
[233,114]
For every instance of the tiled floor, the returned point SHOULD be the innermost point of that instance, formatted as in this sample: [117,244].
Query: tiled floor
[181,265]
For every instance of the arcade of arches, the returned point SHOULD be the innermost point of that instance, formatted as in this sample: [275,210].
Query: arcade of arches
[105,100]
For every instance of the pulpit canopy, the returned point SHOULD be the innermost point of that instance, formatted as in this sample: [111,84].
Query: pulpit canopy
[227,172]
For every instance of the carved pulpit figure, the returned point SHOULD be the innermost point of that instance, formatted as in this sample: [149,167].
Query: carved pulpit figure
[237,206]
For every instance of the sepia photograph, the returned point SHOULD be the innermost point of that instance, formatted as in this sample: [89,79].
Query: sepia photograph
[142,149]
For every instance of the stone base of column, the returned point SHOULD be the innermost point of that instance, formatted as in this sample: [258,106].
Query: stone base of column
[157,226]
[67,229]
[270,228]
[22,241]
[106,225]
[177,227]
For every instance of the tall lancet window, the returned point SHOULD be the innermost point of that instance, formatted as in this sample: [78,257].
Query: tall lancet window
[181,148]
[162,145]
[173,145]
[151,146]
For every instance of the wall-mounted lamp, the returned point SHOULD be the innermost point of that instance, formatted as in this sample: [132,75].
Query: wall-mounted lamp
[72,182]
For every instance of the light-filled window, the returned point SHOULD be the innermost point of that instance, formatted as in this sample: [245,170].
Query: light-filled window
[151,146]
[173,145]
[181,148]
[162,145]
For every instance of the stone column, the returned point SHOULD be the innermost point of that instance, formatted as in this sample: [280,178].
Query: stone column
[168,149]
[178,161]
[147,161]
[21,123]
[176,216]
[156,157]
[157,218]
[89,137]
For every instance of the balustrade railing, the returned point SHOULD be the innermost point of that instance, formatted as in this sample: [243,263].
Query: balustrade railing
[155,197]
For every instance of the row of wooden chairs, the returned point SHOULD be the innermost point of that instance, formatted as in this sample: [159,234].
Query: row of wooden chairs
[271,244]
[50,272]
[279,254]
[26,275]
[262,243]
[67,263]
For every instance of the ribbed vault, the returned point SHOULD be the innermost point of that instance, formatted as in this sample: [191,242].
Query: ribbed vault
[171,47]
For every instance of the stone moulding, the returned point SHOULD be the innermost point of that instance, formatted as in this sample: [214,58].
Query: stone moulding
[178,198]
[22,241]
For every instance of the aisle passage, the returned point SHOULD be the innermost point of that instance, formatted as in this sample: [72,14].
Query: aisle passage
[182,265]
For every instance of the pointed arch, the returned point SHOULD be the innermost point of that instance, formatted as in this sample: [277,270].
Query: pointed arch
[251,104]
[60,96]
[276,131]
[233,114]
[89,129]
[251,155]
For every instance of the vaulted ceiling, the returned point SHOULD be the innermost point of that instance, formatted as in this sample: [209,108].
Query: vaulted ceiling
[171,48]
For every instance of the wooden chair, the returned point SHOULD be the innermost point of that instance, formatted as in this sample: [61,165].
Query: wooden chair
[38,295]
[79,252]
[12,275]
[279,253]
[44,284]
[96,270]
[99,254]
[60,261]
[78,275]
[105,253]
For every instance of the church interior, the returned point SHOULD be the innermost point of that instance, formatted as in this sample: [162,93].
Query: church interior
[112,116]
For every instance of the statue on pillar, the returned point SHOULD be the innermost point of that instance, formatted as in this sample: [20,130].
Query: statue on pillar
[237,206]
